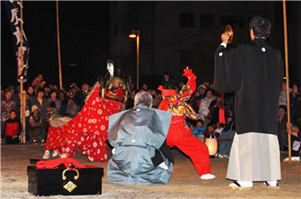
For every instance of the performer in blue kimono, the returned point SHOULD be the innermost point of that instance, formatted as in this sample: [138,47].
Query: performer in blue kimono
[140,154]
[254,71]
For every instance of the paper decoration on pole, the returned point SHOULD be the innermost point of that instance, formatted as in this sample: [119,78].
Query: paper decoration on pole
[15,21]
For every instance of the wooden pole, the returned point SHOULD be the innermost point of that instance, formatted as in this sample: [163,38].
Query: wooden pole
[24,117]
[138,43]
[59,44]
[287,78]
[22,102]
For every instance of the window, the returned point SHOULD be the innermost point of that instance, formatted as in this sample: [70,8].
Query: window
[187,20]
[207,21]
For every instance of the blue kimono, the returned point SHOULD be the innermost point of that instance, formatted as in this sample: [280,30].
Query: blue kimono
[141,156]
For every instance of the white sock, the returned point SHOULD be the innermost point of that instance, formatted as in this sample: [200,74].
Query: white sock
[113,151]
[163,166]
[272,182]
[245,183]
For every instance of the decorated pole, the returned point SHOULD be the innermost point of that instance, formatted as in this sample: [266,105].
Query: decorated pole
[21,48]
[287,78]
[59,44]
[22,102]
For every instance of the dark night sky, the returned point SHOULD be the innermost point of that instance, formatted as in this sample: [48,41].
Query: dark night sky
[84,36]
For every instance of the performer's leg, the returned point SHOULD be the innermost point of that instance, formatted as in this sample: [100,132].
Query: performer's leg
[191,146]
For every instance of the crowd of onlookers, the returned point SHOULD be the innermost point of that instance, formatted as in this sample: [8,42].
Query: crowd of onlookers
[43,99]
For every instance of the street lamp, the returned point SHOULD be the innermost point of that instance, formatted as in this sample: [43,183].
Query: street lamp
[136,34]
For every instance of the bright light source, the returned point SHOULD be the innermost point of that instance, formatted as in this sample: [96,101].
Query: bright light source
[133,35]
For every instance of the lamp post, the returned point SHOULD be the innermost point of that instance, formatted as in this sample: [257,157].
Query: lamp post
[136,34]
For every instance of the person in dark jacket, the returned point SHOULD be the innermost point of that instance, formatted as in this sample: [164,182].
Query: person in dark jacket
[254,72]
[12,128]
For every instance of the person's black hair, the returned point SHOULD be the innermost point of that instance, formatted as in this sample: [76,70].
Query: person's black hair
[46,86]
[210,124]
[52,91]
[200,121]
[261,27]
[167,73]
[12,111]
[27,87]
[283,107]
[209,89]
[40,90]
[297,83]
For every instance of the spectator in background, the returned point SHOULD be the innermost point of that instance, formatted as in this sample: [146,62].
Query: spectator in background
[210,130]
[42,104]
[144,87]
[294,131]
[36,129]
[82,94]
[46,91]
[73,102]
[15,98]
[191,127]
[30,91]
[295,99]
[204,108]
[54,102]
[130,100]
[181,84]
[43,83]
[282,97]
[282,135]
[207,84]
[226,139]
[7,105]
[12,128]
[199,130]
[213,114]
[2,93]
[167,80]
[37,81]
[202,89]
[157,99]
[54,87]
[63,99]
[194,102]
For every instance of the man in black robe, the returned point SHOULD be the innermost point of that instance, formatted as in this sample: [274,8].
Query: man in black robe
[255,72]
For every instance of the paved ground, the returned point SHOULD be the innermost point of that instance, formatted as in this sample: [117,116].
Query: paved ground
[185,182]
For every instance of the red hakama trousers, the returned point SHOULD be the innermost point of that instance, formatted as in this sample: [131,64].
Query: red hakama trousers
[181,137]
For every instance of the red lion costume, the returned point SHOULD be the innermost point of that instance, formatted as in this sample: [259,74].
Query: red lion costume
[88,130]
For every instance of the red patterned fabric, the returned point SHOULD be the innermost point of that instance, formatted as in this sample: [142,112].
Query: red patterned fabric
[88,130]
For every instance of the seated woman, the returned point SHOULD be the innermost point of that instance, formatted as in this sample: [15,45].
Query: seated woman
[12,128]
[36,129]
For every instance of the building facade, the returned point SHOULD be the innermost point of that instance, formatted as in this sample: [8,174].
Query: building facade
[174,34]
